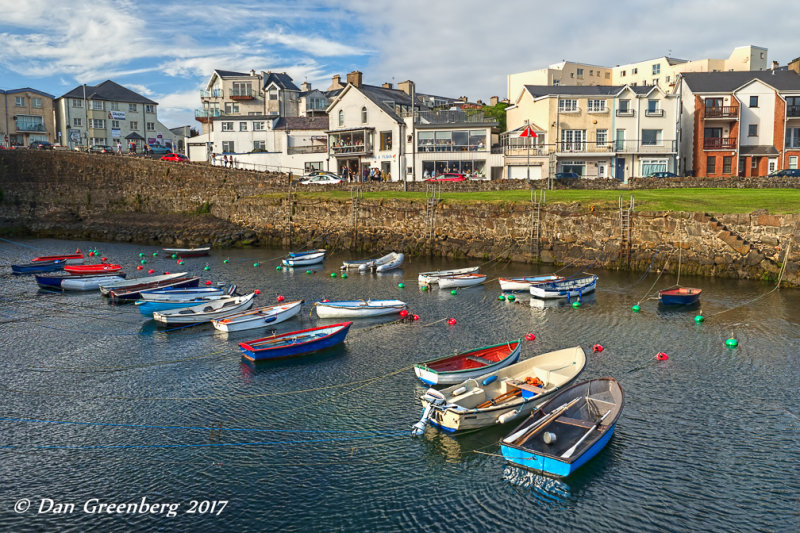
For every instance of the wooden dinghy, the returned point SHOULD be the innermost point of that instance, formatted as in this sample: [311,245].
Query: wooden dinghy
[295,343]
[100,268]
[501,396]
[461,280]
[358,308]
[184,294]
[456,368]
[428,278]
[256,318]
[133,292]
[188,252]
[310,257]
[679,296]
[205,312]
[39,267]
[574,286]
[568,430]
[524,283]
[388,262]
[70,259]
[106,288]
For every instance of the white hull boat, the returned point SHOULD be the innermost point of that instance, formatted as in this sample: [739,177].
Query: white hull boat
[119,285]
[428,278]
[256,318]
[304,258]
[205,312]
[182,295]
[573,287]
[87,283]
[461,280]
[358,308]
[382,264]
[524,284]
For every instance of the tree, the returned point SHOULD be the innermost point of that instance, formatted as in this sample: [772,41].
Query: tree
[497,112]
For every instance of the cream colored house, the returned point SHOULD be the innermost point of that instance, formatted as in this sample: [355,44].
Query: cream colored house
[26,115]
[563,73]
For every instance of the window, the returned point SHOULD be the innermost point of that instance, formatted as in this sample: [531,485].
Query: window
[227,146]
[258,126]
[596,106]
[591,73]
[114,106]
[97,140]
[76,122]
[601,136]
[624,106]
[726,164]
[37,102]
[243,126]
[313,165]
[259,145]
[652,106]
[651,166]
[710,164]
[754,162]
[656,69]
[792,161]
[567,105]
[227,126]
[148,108]
[608,75]
[579,167]
[134,125]
[231,108]
[792,137]
[341,117]
[77,103]
[580,72]
[132,108]
[635,71]
[97,123]
[242,88]
[571,74]
[19,101]
[573,140]
[363,115]
[386,140]
[151,126]
[772,165]
[754,101]
[752,130]
[273,93]
[115,124]
[655,82]
[620,140]
[98,105]
[624,73]
[651,137]
[667,79]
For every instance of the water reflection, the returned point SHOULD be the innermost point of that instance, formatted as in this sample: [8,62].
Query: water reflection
[547,490]
[539,303]
[250,368]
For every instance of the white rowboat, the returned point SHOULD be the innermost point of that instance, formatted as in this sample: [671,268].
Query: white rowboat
[87,283]
[382,264]
[461,280]
[304,258]
[524,284]
[575,286]
[358,308]
[118,285]
[256,318]
[427,278]
[205,312]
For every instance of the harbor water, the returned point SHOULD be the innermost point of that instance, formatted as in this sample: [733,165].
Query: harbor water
[101,406]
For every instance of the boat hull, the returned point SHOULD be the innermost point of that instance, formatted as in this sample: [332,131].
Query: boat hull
[87,283]
[463,280]
[304,260]
[428,278]
[38,267]
[680,296]
[70,259]
[54,281]
[431,376]
[179,295]
[120,285]
[523,284]
[564,288]
[92,269]
[130,294]
[188,252]
[205,312]
[284,347]
[268,316]
[359,308]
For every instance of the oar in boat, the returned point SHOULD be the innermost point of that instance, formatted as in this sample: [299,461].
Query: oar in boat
[567,454]
[497,399]
[541,423]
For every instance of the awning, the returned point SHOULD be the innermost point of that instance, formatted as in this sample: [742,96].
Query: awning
[760,149]
[134,137]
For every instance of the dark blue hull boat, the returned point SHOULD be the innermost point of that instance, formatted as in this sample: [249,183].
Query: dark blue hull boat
[38,267]
[53,281]
[679,296]
[295,342]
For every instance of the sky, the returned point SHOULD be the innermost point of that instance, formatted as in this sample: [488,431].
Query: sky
[167,50]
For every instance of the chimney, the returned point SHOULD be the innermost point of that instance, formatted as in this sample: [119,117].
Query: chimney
[252,72]
[775,65]
[305,86]
[493,100]
[480,102]
[386,85]
[462,99]
[405,86]
[336,83]
[794,65]
[354,78]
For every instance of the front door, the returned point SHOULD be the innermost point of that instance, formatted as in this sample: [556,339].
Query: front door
[601,170]
[620,174]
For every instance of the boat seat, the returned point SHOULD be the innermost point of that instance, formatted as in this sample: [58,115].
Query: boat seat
[574,422]
[524,386]
[479,359]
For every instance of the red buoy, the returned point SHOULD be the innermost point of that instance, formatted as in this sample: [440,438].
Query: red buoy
[530,337]
[139,267]
[661,356]
[257,291]
[104,259]
[166,273]
[91,254]
[151,271]
[597,348]
[208,282]
[325,300]
[452,321]
[415,317]
[403,313]
[280,298]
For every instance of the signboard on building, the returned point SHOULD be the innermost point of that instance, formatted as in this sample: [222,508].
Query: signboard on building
[150,140]
[116,115]
[75,135]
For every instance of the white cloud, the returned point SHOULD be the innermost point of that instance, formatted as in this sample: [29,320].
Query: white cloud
[316,46]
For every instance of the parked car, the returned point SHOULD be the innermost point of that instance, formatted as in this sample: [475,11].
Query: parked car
[101,149]
[448,176]
[175,157]
[321,179]
[567,176]
[41,145]
[785,173]
[663,175]
[158,149]
[318,173]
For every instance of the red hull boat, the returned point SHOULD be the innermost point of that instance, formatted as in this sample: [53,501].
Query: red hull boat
[102,268]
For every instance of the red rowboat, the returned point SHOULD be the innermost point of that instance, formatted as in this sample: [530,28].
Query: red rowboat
[70,259]
[680,296]
[102,268]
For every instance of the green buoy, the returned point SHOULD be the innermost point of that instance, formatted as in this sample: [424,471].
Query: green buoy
[174,256]
[424,287]
[699,318]
[143,261]
[399,285]
[731,343]
[576,305]
[511,297]
[501,297]
[155,254]
[344,275]
[228,261]
[141,254]
[206,267]
[308,272]
[636,308]
[333,274]
[454,292]
[255,264]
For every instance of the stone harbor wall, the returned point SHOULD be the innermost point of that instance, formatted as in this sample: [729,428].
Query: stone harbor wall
[72,195]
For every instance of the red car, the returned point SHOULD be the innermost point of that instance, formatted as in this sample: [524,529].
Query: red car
[448,176]
[175,157]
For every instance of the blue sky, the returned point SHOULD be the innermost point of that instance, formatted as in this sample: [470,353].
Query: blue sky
[167,50]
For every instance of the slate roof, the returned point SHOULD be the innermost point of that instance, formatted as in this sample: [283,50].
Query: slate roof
[110,91]
[760,149]
[379,95]
[583,90]
[230,73]
[134,136]
[26,90]
[302,123]
[282,80]
[725,82]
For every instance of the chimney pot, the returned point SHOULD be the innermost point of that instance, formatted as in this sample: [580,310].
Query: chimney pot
[387,85]
[354,78]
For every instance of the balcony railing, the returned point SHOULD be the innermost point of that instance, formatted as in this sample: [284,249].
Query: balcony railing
[585,147]
[719,143]
[215,93]
[29,126]
[728,111]
[292,150]
[450,117]
[625,112]
[475,147]
[351,149]
[646,147]
[241,93]
[793,111]
[654,113]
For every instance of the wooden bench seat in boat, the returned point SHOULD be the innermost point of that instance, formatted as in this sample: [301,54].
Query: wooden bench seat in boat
[524,386]
[479,359]
[574,422]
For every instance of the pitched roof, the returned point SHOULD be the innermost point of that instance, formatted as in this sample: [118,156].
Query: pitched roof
[301,123]
[110,91]
[282,80]
[230,73]
[379,95]
[583,90]
[26,90]
[718,82]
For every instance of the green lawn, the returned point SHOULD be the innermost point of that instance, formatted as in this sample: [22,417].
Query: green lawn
[777,201]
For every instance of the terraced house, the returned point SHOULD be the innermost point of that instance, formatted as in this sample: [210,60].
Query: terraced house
[593,131]
[740,123]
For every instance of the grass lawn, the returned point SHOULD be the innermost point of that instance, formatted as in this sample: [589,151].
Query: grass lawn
[777,201]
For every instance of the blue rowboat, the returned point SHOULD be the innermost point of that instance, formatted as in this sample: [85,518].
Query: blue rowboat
[176,294]
[524,283]
[567,431]
[679,296]
[311,257]
[575,286]
[295,343]
[53,281]
[39,266]
[147,307]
